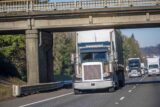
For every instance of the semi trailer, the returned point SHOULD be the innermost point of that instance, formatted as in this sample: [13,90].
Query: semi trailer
[98,60]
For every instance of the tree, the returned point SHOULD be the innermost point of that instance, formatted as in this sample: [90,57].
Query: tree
[130,47]
[12,53]
[64,45]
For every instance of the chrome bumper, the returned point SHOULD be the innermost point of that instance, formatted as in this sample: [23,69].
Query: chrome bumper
[93,85]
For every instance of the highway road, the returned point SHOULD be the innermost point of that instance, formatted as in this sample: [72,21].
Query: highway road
[139,92]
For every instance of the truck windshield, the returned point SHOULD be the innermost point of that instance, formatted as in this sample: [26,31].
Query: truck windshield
[153,66]
[86,56]
[93,56]
[100,56]
[134,63]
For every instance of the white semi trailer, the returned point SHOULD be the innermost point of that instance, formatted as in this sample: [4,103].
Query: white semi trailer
[153,66]
[99,60]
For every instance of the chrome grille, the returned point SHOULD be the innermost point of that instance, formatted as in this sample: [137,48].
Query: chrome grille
[92,72]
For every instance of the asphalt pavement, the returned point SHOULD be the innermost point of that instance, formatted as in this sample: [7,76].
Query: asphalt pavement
[139,92]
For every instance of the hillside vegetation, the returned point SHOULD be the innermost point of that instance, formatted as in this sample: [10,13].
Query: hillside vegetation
[63,46]
[13,60]
[12,56]
[152,50]
[12,63]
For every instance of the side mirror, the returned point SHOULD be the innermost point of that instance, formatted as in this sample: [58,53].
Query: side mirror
[127,68]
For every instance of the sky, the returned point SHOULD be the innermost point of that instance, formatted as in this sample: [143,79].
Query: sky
[145,36]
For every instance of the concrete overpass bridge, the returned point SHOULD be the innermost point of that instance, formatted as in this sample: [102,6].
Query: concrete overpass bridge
[38,20]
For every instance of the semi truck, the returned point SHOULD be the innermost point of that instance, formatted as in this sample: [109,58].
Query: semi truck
[134,65]
[98,61]
[153,66]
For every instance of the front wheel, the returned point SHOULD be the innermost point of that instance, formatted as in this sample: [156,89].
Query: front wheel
[112,89]
[76,92]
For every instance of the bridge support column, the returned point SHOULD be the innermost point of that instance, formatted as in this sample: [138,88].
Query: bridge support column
[39,56]
[46,56]
[32,56]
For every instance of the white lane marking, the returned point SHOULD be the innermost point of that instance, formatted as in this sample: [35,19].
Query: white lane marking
[122,98]
[116,103]
[52,98]
[130,91]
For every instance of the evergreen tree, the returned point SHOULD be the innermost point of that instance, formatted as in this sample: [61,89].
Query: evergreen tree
[64,45]
[131,48]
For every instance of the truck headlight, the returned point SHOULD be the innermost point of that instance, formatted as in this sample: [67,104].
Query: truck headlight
[107,76]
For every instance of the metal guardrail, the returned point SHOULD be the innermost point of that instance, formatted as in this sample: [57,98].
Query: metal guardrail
[33,5]
[31,89]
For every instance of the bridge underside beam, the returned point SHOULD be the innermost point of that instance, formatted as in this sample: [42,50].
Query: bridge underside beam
[82,23]
[100,21]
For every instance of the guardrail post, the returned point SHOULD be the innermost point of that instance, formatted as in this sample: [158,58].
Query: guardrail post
[16,90]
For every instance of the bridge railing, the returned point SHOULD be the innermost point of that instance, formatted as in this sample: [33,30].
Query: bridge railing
[33,5]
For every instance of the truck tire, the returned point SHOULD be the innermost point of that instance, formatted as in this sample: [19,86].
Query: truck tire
[111,89]
[76,92]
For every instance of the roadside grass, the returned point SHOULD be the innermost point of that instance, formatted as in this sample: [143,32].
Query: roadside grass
[6,86]
[16,81]
[5,92]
